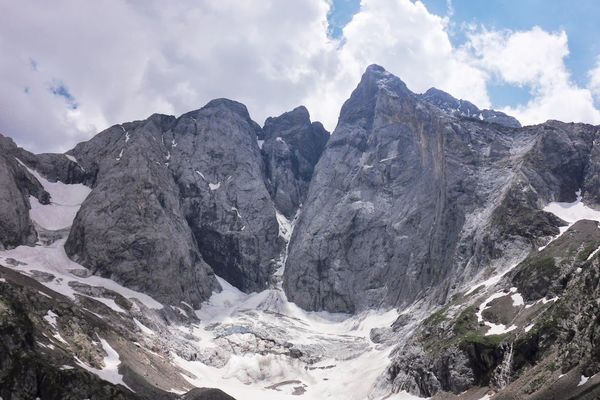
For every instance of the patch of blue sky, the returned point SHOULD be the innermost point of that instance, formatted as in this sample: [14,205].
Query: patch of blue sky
[579,19]
[60,90]
[340,14]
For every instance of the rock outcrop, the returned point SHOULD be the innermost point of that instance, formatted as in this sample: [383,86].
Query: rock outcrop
[16,185]
[175,199]
[464,108]
[394,201]
[292,147]
[408,201]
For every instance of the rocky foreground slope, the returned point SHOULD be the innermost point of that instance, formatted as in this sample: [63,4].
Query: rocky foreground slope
[427,246]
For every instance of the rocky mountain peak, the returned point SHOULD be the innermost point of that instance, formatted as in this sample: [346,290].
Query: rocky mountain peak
[464,108]
[299,116]
[291,149]
[465,247]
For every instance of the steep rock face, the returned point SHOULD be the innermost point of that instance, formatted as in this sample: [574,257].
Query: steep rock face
[16,185]
[173,196]
[408,201]
[292,147]
[467,109]
[395,201]
[219,171]
[131,227]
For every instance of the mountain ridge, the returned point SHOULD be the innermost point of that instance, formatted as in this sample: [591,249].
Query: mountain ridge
[425,240]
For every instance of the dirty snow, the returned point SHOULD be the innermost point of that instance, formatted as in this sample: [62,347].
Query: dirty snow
[50,317]
[53,259]
[110,369]
[255,375]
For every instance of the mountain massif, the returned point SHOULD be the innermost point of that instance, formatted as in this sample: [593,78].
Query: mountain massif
[425,248]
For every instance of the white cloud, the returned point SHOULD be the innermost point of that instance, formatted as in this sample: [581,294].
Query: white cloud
[408,41]
[594,83]
[124,60]
[534,59]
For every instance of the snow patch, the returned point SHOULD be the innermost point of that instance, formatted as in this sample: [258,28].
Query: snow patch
[285,227]
[494,329]
[214,186]
[517,298]
[110,371]
[201,174]
[143,328]
[110,303]
[50,317]
[593,254]
[65,201]
[528,327]
[53,259]
[583,380]
[571,213]
[71,158]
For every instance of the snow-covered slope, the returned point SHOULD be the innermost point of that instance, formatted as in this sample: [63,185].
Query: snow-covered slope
[253,346]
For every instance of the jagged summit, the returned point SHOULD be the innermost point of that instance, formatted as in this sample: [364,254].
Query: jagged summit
[180,243]
[464,108]
[298,115]
[377,80]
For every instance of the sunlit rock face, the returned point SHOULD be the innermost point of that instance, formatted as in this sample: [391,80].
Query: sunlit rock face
[408,200]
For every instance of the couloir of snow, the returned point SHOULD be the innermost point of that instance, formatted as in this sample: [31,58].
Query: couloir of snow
[65,201]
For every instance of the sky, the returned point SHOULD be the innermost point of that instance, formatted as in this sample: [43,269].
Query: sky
[69,69]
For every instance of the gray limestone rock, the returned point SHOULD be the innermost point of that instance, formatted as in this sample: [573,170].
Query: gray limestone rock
[174,200]
[399,201]
[16,185]
[463,108]
[291,149]
[408,201]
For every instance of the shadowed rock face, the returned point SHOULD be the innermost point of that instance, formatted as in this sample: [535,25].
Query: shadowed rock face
[16,185]
[408,201]
[173,196]
[292,147]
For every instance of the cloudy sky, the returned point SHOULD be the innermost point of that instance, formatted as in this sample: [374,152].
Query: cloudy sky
[70,68]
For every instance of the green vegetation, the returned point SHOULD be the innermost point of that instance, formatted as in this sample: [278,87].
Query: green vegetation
[437,317]
[465,322]
[552,366]
[587,250]
[480,339]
